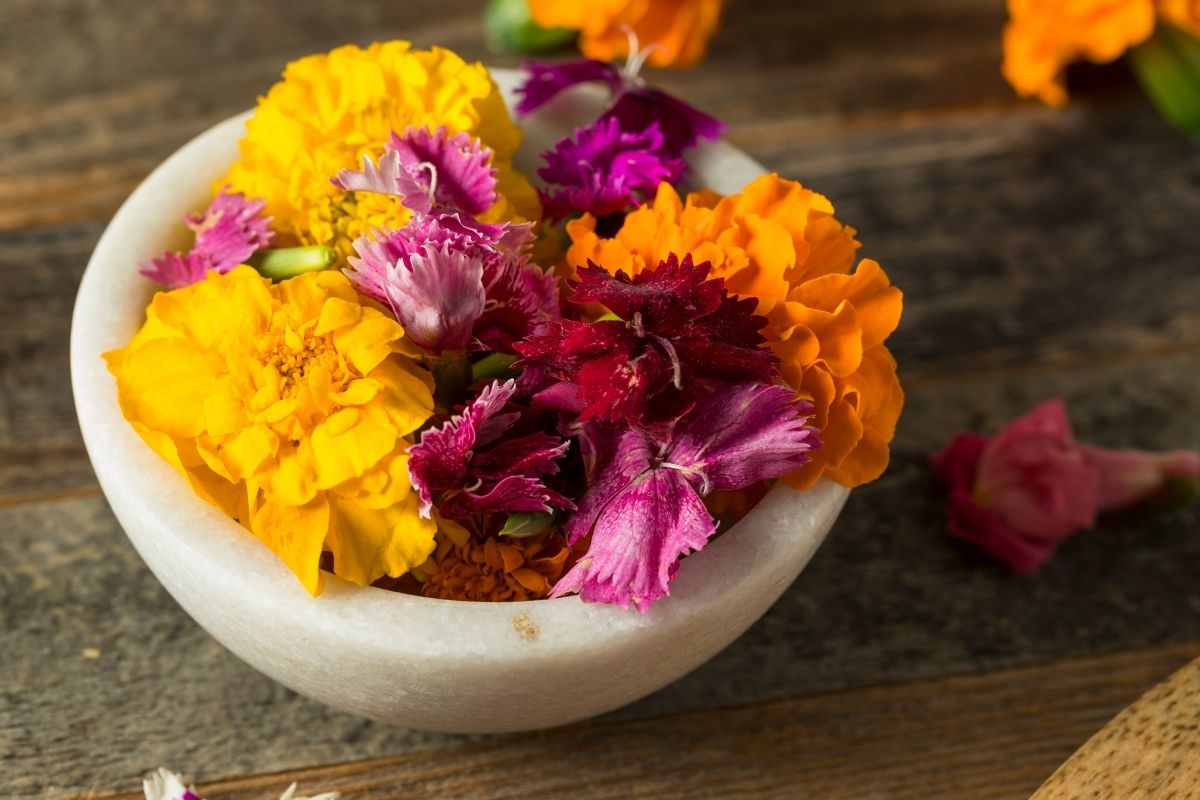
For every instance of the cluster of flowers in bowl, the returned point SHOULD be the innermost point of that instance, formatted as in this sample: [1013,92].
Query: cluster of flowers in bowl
[393,359]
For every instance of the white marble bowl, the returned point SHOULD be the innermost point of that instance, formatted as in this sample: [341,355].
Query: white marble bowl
[429,664]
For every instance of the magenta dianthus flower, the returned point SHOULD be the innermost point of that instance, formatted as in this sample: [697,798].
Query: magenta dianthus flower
[603,169]
[227,233]
[644,505]
[454,283]
[634,106]
[473,469]
[674,330]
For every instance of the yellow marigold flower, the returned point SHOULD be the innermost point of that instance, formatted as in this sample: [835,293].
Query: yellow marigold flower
[1043,36]
[495,570]
[332,109]
[286,406]
[678,30]
[780,243]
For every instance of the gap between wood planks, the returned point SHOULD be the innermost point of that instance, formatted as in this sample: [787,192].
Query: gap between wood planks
[987,736]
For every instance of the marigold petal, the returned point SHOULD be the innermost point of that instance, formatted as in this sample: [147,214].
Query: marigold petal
[297,535]
[164,384]
[368,543]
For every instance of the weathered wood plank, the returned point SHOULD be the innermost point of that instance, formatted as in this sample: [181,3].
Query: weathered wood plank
[887,598]
[130,84]
[1149,751]
[40,447]
[1033,236]
[987,737]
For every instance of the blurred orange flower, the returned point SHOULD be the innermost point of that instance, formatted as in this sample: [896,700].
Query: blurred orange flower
[494,569]
[1044,36]
[679,30]
[1184,13]
[779,242]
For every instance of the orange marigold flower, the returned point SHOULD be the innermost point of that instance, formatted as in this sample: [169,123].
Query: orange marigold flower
[496,570]
[678,30]
[1183,13]
[780,243]
[1043,36]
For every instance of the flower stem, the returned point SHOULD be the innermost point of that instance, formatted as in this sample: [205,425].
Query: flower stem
[509,28]
[495,365]
[288,262]
[1168,67]
[451,377]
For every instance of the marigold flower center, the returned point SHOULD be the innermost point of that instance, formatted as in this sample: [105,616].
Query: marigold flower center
[292,354]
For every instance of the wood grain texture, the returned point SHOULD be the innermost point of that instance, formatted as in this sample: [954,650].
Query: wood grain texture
[887,598]
[1150,751]
[989,737]
[1042,252]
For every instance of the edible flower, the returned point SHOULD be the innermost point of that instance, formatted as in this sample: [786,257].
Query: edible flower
[496,570]
[1044,36]
[430,170]
[227,233]
[1018,494]
[287,406]
[163,784]
[644,507]
[634,106]
[451,281]
[677,31]
[473,469]
[673,327]
[603,169]
[827,322]
[332,109]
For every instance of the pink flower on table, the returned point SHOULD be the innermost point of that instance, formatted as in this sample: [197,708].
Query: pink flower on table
[1017,495]
[644,506]
[227,233]
[473,469]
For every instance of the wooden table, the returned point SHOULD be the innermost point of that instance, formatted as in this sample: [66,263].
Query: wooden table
[1042,252]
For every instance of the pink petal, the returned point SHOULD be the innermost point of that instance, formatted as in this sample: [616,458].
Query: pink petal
[612,457]
[972,523]
[1033,475]
[957,463]
[174,270]
[742,434]
[462,176]
[440,460]
[386,178]
[638,541]
[437,297]
[1129,477]
[512,494]
[231,229]
[532,455]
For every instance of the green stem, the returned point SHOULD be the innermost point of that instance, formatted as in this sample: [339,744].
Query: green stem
[509,28]
[288,262]
[496,365]
[1168,67]
[451,377]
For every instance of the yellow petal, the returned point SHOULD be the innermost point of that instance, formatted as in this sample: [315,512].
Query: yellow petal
[297,535]
[369,543]
[163,384]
